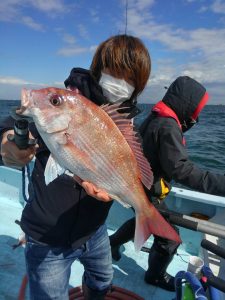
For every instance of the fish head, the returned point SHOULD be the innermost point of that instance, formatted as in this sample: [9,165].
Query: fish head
[51,108]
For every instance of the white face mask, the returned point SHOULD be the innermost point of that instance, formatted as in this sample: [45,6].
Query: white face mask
[115,89]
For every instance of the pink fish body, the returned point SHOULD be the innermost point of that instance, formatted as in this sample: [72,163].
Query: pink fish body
[98,145]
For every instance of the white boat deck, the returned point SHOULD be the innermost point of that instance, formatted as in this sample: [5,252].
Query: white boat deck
[128,272]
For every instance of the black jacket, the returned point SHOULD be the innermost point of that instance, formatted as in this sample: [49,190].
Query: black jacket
[163,141]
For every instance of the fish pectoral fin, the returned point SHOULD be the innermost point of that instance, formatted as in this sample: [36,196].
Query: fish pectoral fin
[52,170]
[123,203]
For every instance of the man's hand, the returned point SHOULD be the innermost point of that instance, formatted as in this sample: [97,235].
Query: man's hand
[93,191]
[12,156]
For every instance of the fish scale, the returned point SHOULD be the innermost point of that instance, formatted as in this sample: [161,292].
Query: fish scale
[106,170]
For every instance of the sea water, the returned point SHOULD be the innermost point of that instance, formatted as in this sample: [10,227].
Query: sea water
[205,142]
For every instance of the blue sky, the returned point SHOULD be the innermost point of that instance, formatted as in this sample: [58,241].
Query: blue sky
[42,40]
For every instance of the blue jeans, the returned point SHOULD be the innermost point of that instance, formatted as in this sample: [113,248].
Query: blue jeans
[49,268]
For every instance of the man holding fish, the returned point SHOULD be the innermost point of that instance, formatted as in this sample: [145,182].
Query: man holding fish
[62,222]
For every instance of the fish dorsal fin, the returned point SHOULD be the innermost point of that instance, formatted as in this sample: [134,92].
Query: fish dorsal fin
[133,139]
[52,170]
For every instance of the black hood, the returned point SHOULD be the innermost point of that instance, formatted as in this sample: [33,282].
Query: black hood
[183,97]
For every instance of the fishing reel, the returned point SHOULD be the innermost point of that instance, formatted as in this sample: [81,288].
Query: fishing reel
[21,132]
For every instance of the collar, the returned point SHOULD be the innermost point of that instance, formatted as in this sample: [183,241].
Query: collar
[165,111]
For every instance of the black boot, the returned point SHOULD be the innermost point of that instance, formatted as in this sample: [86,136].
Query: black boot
[156,273]
[90,294]
[123,235]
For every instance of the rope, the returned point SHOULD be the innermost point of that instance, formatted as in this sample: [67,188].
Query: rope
[22,290]
[26,173]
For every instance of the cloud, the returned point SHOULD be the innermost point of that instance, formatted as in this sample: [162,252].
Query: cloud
[218,7]
[72,51]
[15,11]
[94,15]
[69,39]
[204,47]
[28,21]
[49,6]
[140,5]
[9,9]
[155,92]
[83,31]
[12,86]
[13,81]
[209,41]
[198,53]
[10,80]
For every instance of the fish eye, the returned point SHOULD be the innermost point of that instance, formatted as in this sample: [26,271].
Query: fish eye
[55,100]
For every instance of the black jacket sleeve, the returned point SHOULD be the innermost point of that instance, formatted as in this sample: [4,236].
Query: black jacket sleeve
[177,166]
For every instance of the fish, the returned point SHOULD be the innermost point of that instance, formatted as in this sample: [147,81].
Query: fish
[97,144]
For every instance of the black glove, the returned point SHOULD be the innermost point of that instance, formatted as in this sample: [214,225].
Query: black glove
[89,87]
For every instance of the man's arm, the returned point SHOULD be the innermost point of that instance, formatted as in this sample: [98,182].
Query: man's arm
[176,164]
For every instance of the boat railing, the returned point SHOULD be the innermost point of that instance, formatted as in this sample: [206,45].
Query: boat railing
[197,196]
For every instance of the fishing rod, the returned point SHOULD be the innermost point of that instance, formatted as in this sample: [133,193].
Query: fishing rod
[21,131]
[212,280]
[23,141]
[193,223]
[21,134]
[213,248]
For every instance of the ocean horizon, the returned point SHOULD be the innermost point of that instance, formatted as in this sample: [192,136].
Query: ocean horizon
[205,142]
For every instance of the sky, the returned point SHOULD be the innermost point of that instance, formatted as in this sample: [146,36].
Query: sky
[42,40]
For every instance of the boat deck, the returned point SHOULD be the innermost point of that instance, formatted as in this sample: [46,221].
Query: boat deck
[128,272]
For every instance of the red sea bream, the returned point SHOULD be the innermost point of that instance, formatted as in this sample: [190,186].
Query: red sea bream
[98,145]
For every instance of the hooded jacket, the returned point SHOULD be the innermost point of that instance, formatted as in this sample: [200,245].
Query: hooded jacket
[163,141]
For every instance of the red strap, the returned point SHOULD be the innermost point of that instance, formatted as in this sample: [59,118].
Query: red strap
[164,111]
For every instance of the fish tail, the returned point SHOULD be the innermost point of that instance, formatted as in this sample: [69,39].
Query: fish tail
[152,223]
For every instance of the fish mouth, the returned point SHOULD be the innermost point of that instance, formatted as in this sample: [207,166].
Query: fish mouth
[25,95]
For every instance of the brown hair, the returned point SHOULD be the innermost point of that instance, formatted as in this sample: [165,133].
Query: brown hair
[123,55]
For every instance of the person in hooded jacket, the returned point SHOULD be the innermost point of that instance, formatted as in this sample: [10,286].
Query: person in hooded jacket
[164,147]
[62,222]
